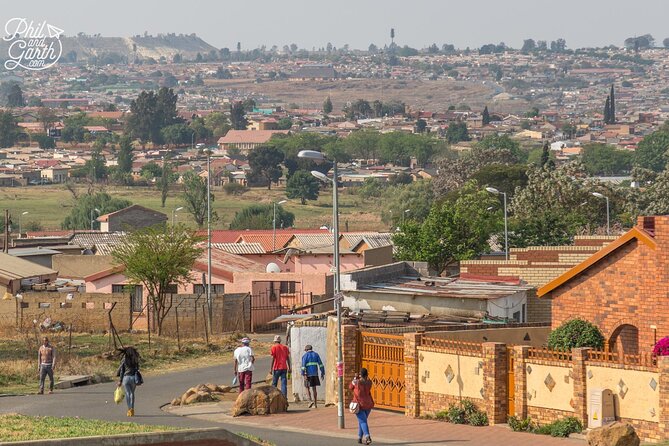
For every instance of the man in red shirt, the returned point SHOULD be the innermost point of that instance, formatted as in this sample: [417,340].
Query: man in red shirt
[280,364]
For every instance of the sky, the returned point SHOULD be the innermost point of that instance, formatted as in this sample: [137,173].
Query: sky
[314,23]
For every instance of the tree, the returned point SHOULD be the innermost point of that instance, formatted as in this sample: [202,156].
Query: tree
[177,134]
[217,123]
[456,229]
[223,73]
[504,177]
[456,132]
[607,110]
[47,117]
[158,258]
[125,156]
[421,125]
[302,185]
[96,166]
[284,124]
[84,207]
[604,159]
[150,113]
[151,170]
[640,43]
[265,165]
[612,107]
[9,129]
[665,42]
[260,216]
[327,105]
[651,152]
[486,116]
[416,197]
[238,116]
[15,96]
[45,141]
[166,178]
[195,197]
[545,229]
[569,130]
[528,45]
[545,155]
[392,35]
[576,333]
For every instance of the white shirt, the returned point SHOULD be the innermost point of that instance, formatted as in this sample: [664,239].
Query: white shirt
[243,355]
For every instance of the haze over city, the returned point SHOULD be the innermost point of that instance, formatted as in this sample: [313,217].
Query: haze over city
[314,24]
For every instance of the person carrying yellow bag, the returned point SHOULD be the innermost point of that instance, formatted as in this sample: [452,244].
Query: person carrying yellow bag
[119,394]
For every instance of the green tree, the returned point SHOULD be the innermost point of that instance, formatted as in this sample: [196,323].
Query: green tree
[545,229]
[96,166]
[612,106]
[151,170]
[503,177]
[503,142]
[150,113]
[84,207]
[651,152]
[421,125]
[265,165]
[177,134]
[9,129]
[125,155]
[284,124]
[302,185]
[159,257]
[417,198]
[238,116]
[363,144]
[545,155]
[166,179]
[14,96]
[576,333]
[327,105]
[454,230]
[486,116]
[217,123]
[260,216]
[47,117]
[45,141]
[195,197]
[456,132]
[604,159]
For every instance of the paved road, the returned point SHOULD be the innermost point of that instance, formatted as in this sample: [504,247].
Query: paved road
[96,402]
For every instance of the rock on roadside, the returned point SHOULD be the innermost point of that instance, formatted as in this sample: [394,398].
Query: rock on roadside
[261,400]
[615,434]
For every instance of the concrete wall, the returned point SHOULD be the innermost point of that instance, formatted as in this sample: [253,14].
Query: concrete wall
[300,336]
[378,256]
[450,374]
[549,386]
[78,266]
[532,336]
[635,399]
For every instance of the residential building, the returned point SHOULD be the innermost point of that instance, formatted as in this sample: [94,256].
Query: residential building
[132,217]
[247,140]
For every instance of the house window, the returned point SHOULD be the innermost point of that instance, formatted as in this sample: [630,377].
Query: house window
[137,300]
[287,288]
[171,288]
[216,289]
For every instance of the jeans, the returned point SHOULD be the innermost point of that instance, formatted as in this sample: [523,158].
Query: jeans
[283,375]
[129,387]
[44,371]
[363,427]
[244,380]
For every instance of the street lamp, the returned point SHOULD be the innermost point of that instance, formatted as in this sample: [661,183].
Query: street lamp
[192,140]
[274,224]
[96,210]
[174,214]
[608,211]
[22,213]
[319,157]
[406,211]
[494,191]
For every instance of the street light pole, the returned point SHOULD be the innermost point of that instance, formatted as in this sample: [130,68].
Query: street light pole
[494,191]
[209,304]
[174,215]
[608,211]
[96,210]
[318,156]
[21,214]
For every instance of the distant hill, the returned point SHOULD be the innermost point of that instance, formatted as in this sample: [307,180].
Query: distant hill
[117,49]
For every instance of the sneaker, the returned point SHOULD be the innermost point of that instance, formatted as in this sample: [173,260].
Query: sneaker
[41,392]
[131,412]
[368,440]
[50,392]
[360,440]
[311,404]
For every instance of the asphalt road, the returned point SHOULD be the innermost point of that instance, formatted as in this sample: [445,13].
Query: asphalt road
[97,402]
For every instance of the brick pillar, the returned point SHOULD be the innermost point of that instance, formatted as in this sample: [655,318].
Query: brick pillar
[663,368]
[349,337]
[495,376]
[579,358]
[412,399]
[520,380]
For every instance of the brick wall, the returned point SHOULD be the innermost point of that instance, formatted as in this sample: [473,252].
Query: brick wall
[230,312]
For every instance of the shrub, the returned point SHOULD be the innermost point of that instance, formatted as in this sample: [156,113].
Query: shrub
[455,414]
[234,189]
[662,347]
[520,425]
[464,412]
[478,418]
[575,333]
[565,426]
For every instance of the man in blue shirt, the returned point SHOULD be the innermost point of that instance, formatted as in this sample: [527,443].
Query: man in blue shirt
[311,362]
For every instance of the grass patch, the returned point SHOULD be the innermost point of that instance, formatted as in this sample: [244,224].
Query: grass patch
[256,439]
[49,205]
[89,356]
[22,428]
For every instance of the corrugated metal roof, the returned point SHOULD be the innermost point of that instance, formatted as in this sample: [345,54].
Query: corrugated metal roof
[373,239]
[224,264]
[104,242]
[13,268]
[313,241]
[240,248]
[451,288]
[266,240]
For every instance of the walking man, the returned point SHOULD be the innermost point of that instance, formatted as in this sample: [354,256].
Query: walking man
[311,363]
[244,360]
[280,364]
[46,362]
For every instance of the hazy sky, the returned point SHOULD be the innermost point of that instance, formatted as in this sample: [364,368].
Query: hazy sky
[417,23]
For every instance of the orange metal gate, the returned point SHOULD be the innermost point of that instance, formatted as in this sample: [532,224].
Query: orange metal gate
[511,383]
[383,356]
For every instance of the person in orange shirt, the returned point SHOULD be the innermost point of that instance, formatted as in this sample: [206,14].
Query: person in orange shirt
[280,364]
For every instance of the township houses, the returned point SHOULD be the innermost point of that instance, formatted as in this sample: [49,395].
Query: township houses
[247,140]
[622,288]
[134,216]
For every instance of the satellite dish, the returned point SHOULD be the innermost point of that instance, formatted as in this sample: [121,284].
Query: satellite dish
[273,268]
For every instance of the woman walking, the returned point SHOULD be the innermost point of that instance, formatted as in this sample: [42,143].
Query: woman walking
[362,394]
[128,374]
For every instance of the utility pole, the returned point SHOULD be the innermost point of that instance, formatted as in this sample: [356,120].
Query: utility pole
[6,242]
[209,303]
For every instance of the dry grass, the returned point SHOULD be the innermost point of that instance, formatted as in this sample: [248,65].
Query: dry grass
[90,355]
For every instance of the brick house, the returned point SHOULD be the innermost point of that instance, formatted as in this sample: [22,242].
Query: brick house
[622,288]
[134,216]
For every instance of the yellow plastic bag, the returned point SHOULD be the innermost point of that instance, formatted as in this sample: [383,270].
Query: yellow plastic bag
[119,395]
